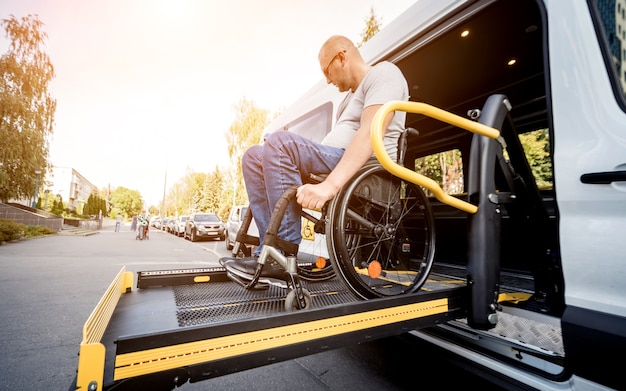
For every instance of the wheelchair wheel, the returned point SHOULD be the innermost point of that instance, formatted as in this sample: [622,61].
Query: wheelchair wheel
[381,234]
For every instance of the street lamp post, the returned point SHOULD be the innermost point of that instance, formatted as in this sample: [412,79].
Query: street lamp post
[45,200]
[38,172]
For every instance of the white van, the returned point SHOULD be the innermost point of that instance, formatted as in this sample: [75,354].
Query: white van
[555,269]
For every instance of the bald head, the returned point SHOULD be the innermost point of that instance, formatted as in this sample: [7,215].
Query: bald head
[341,63]
[334,45]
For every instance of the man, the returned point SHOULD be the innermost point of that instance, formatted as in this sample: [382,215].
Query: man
[143,221]
[118,222]
[285,158]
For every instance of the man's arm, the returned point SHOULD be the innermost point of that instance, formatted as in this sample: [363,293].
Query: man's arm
[358,152]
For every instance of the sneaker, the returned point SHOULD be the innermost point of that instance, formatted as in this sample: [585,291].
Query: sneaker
[253,259]
[271,269]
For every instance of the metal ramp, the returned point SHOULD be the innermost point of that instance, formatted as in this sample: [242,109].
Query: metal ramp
[192,325]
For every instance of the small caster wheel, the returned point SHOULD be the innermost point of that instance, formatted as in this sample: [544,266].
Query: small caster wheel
[291,301]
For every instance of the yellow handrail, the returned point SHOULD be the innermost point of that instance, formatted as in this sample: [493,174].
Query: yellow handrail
[412,176]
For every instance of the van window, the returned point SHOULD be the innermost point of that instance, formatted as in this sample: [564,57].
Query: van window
[445,168]
[612,24]
[313,125]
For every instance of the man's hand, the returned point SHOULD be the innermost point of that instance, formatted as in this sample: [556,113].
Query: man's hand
[315,196]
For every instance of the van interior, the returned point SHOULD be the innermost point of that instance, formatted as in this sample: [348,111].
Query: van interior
[456,66]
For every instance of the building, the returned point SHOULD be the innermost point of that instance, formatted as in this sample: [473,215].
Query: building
[69,184]
[614,14]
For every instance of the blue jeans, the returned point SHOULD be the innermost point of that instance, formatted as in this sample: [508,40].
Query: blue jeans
[270,169]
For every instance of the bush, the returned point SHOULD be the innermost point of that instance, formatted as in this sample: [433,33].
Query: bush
[32,231]
[11,230]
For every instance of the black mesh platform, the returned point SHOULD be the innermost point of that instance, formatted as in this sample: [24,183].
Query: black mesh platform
[201,304]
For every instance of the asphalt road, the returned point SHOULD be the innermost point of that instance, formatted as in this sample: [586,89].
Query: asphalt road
[50,285]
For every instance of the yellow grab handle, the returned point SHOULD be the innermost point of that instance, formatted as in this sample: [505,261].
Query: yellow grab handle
[412,176]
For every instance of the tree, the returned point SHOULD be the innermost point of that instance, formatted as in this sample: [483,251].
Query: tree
[194,182]
[212,190]
[445,168]
[94,205]
[242,134]
[127,201]
[26,107]
[536,145]
[372,27]
[57,206]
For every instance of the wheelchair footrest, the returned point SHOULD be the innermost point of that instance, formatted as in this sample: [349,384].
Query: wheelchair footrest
[244,282]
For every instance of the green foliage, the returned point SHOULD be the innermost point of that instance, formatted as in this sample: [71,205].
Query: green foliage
[26,107]
[94,205]
[32,231]
[10,230]
[57,206]
[126,200]
[536,145]
[153,211]
[47,201]
[212,189]
[245,132]
[445,168]
[372,27]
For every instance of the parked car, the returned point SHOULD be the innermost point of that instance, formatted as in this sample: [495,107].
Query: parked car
[171,225]
[235,219]
[179,227]
[204,225]
[164,222]
[156,223]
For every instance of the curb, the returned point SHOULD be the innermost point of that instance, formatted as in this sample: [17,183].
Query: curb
[78,232]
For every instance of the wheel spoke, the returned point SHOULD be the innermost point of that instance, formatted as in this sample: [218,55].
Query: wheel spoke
[382,221]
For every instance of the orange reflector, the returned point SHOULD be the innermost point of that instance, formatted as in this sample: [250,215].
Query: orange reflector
[320,262]
[202,279]
[374,269]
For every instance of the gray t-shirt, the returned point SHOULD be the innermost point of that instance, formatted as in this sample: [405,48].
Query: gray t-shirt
[383,83]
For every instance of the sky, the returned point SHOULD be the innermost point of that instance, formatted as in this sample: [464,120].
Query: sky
[146,89]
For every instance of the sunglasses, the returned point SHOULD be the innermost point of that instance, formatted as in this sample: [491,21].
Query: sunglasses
[331,63]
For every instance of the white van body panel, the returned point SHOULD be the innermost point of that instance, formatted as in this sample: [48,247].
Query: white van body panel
[590,136]
[415,19]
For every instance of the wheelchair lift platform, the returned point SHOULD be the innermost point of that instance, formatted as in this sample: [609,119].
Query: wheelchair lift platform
[196,324]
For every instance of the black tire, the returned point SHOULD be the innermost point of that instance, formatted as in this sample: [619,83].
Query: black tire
[380,234]
[193,237]
[229,245]
[291,302]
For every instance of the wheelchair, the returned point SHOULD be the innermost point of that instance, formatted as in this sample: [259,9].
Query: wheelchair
[380,237]
[146,233]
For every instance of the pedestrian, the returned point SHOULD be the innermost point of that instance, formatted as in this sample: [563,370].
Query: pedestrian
[118,222]
[133,224]
[142,221]
[285,157]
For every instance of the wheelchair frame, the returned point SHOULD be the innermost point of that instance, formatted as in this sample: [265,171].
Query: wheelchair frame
[375,255]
